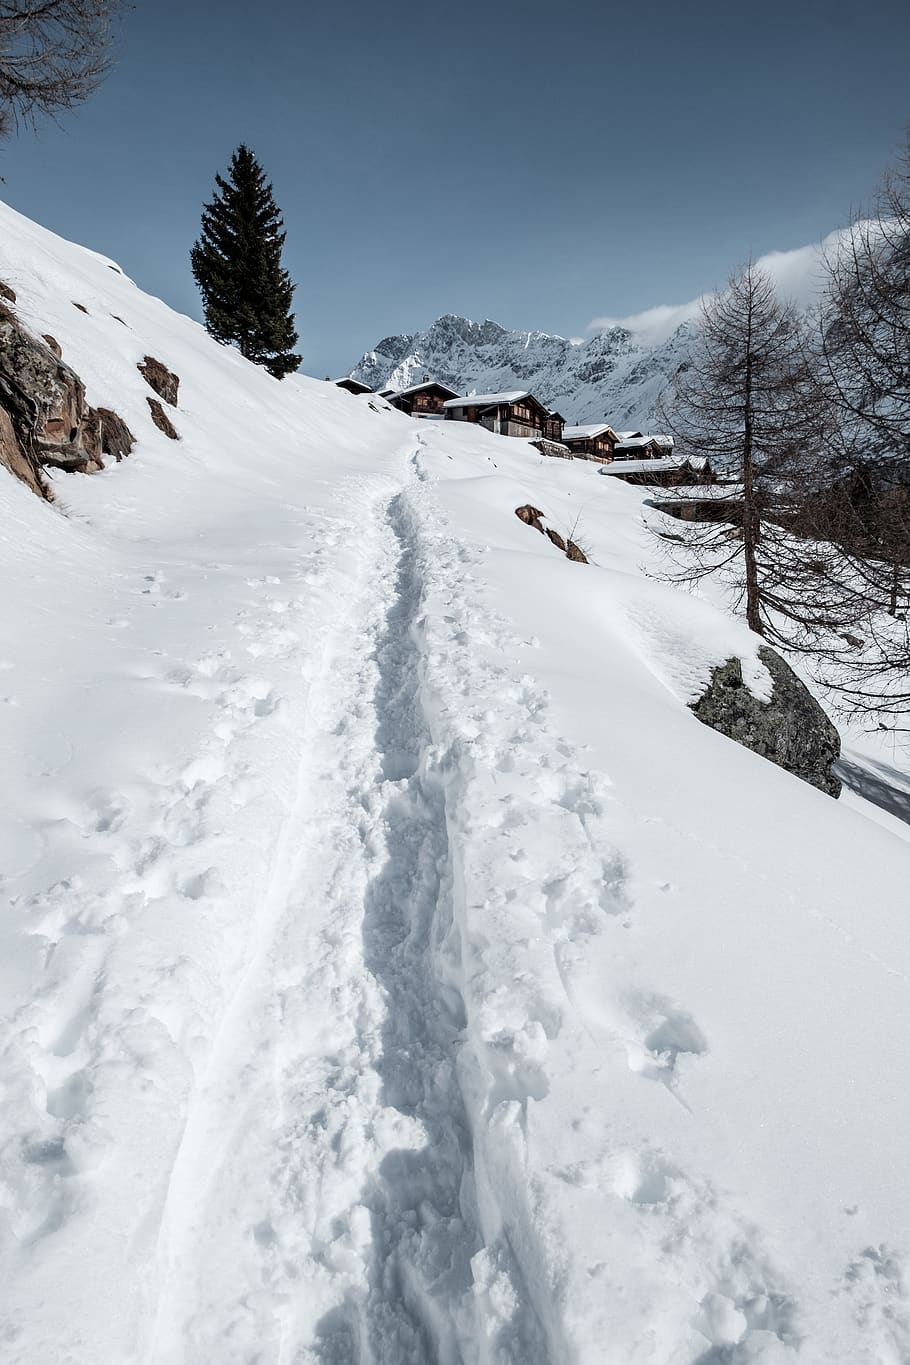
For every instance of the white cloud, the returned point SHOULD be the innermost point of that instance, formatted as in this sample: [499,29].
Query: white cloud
[798,275]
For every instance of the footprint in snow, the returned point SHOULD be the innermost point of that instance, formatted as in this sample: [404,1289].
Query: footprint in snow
[668,1033]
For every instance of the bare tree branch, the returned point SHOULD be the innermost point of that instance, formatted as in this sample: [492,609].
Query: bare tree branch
[53,55]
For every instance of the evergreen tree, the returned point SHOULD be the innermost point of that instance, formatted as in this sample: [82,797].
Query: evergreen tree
[236,263]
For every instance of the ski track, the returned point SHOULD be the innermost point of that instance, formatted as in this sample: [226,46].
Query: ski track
[324,1207]
[326,1170]
[357,1178]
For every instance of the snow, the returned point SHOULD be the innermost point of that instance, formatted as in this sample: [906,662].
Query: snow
[393,969]
[427,384]
[581,433]
[660,464]
[480,400]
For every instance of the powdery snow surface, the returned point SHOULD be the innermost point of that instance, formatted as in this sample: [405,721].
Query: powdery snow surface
[393,969]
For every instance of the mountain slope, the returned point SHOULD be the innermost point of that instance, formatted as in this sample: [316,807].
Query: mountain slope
[393,969]
[617,375]
[612,375]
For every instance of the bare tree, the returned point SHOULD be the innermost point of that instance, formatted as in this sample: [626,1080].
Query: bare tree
[865,347]
[53,55]
[865,332]
[749,400]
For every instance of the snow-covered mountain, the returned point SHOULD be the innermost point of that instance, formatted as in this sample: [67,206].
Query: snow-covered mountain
[617,374]
[392,967]
[614,375]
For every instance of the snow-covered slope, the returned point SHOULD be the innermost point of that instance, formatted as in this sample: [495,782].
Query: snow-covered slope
[393,969]
[617,374]
[613,374]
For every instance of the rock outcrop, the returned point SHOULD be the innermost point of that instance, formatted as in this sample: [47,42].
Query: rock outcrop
[116,437]
[47,421]
[158,377]
[532,516]
[161,419]
[791,729]
[14,458]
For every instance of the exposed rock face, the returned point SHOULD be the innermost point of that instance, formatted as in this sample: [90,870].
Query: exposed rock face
[45,401]
[14,458]
[46,419]
[160,378]
[161,419]
[116,437]
[791,729]
[7,293]
[532,516]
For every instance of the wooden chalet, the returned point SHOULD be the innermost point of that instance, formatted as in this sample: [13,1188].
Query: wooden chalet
[423,400]
[352,385]
[554,426]
[667,471]
[635,445]
[515,413]
[594,442]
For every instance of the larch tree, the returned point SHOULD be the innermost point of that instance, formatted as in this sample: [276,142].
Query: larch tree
[246,292]
[865,347]
[749,401]
[53,55]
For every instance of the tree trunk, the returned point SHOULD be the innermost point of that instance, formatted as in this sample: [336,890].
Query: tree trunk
[751,521]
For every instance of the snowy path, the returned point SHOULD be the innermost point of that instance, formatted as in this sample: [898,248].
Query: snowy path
[326,1157]
[391,968]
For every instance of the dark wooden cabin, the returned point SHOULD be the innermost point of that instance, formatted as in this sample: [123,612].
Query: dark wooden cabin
[635,445]
[423,400]
[554,426]
[516,413]
[667,471]
[593,442]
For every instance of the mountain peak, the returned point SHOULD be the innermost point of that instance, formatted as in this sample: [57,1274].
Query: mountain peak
[611,376]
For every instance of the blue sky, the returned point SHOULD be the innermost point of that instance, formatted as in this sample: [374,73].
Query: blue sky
[538,163]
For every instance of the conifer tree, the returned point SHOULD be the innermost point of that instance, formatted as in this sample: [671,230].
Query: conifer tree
[749,400]
[236,262]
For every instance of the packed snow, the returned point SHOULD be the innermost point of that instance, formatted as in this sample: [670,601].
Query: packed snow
[393,968]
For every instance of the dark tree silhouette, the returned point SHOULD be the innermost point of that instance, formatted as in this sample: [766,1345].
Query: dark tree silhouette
[865,346]
[53,55]
[236,262]
[748,399]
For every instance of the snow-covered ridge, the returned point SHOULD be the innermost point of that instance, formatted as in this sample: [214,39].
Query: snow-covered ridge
[391,967]
[610,375]
[616,375]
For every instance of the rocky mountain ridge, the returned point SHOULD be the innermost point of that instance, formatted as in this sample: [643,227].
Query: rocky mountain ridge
[613,376]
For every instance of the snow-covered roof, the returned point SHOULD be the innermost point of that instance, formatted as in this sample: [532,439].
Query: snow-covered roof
[715,492]
[357,383]
[659,466]
[585,433]
[426,384]
[636,442]
[628,435]
[488,400]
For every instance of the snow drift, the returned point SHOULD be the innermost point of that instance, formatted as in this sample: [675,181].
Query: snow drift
[393,968]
